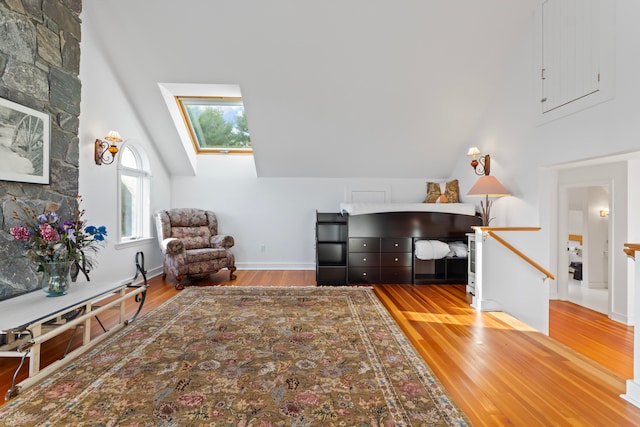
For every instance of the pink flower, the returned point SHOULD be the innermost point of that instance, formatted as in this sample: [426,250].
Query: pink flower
[19,232]
[48,233]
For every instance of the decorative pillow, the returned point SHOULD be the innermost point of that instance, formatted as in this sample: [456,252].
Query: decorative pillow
[436,194]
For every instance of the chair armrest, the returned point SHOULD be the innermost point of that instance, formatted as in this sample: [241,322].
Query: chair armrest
[222,241]
[172,246]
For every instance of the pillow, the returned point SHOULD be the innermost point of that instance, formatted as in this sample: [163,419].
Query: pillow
[436,194]
[431,249]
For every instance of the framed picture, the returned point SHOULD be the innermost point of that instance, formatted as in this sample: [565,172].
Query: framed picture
[24,143]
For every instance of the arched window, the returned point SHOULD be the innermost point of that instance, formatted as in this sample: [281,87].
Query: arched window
[133,194]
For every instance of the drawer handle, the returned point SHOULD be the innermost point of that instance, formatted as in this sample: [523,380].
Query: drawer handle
[396,259]
[364,244]
[364,259]
[364,274]
[396,245]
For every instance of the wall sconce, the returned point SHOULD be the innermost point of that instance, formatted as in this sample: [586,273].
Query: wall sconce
[105,151]
[481,166]
[604,213]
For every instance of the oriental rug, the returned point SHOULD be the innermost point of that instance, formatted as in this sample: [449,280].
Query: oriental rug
[239,356]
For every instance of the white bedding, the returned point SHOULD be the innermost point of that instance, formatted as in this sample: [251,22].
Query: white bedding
[367,208]
[435,249]
[431,249]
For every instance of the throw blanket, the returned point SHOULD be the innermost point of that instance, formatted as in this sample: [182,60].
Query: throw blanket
[230,356]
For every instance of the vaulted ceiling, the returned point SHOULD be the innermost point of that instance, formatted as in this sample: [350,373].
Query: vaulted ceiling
[332,88]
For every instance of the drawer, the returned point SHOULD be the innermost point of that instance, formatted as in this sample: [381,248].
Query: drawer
[364,275]
[364,244]
[391,259]
[364,259]
[401,244]
[392,275]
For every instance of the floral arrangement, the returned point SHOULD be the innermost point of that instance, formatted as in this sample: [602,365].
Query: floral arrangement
[49,238]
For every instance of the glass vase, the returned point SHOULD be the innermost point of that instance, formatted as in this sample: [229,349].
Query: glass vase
[56,277]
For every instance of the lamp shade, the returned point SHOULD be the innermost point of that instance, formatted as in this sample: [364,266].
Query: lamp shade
[488,186]
[113,136]
[473,151]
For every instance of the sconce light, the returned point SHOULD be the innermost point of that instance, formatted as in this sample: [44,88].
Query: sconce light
[105,151]
[604,213]
[481,166]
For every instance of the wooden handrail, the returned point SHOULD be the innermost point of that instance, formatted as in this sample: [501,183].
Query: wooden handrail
[490,232]
[575,238]
[510,228]
[631,248]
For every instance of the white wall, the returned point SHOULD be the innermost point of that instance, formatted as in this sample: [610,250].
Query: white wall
[523,152]
[277,213]
[104,107]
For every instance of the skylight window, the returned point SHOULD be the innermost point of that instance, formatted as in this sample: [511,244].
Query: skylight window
[216,124]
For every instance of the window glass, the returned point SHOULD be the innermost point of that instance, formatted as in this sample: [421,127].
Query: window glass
[128,158]
[129,198]
[133,195]
[216,124]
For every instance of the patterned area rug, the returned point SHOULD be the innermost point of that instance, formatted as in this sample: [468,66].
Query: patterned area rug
[227,356]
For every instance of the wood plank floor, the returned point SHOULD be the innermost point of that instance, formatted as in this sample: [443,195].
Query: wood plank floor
[498,371]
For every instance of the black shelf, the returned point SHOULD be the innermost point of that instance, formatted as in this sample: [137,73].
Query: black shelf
[331,249]
[439,271]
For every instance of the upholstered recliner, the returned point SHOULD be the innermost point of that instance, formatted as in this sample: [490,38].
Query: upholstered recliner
[191,245]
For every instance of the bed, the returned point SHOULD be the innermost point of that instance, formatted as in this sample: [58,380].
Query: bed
[420,243]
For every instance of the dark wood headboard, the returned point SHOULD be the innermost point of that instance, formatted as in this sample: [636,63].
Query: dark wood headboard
[430,225]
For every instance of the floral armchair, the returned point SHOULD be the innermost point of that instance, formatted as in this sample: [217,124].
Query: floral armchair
[191,245]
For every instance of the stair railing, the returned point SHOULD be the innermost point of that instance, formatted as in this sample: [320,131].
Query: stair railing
[491,232]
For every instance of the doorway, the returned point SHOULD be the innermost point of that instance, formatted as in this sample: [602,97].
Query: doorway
[588,247]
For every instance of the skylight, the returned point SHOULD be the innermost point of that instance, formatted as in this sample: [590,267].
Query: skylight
[216,124]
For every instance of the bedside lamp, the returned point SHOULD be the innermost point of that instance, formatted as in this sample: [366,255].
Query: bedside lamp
[487,186]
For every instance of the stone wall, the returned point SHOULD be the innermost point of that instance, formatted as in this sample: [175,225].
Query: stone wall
[39,68]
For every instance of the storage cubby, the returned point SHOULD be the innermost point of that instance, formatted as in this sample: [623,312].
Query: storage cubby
[331,249]
[439,271]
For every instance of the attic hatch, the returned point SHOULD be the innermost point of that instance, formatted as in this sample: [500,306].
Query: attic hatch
[216,124]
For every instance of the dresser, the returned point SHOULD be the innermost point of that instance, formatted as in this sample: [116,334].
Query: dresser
[378,248]
[380,260]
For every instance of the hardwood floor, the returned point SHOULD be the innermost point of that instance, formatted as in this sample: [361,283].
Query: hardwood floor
[497,370]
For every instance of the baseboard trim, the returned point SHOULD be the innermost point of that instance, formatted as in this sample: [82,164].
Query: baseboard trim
[275,266]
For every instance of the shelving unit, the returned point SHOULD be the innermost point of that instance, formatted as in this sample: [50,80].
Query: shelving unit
[331,249]
[440,271]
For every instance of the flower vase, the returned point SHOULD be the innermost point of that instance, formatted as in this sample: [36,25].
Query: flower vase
[56,277]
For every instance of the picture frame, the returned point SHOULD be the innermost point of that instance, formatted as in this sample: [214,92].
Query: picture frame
[25,138]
